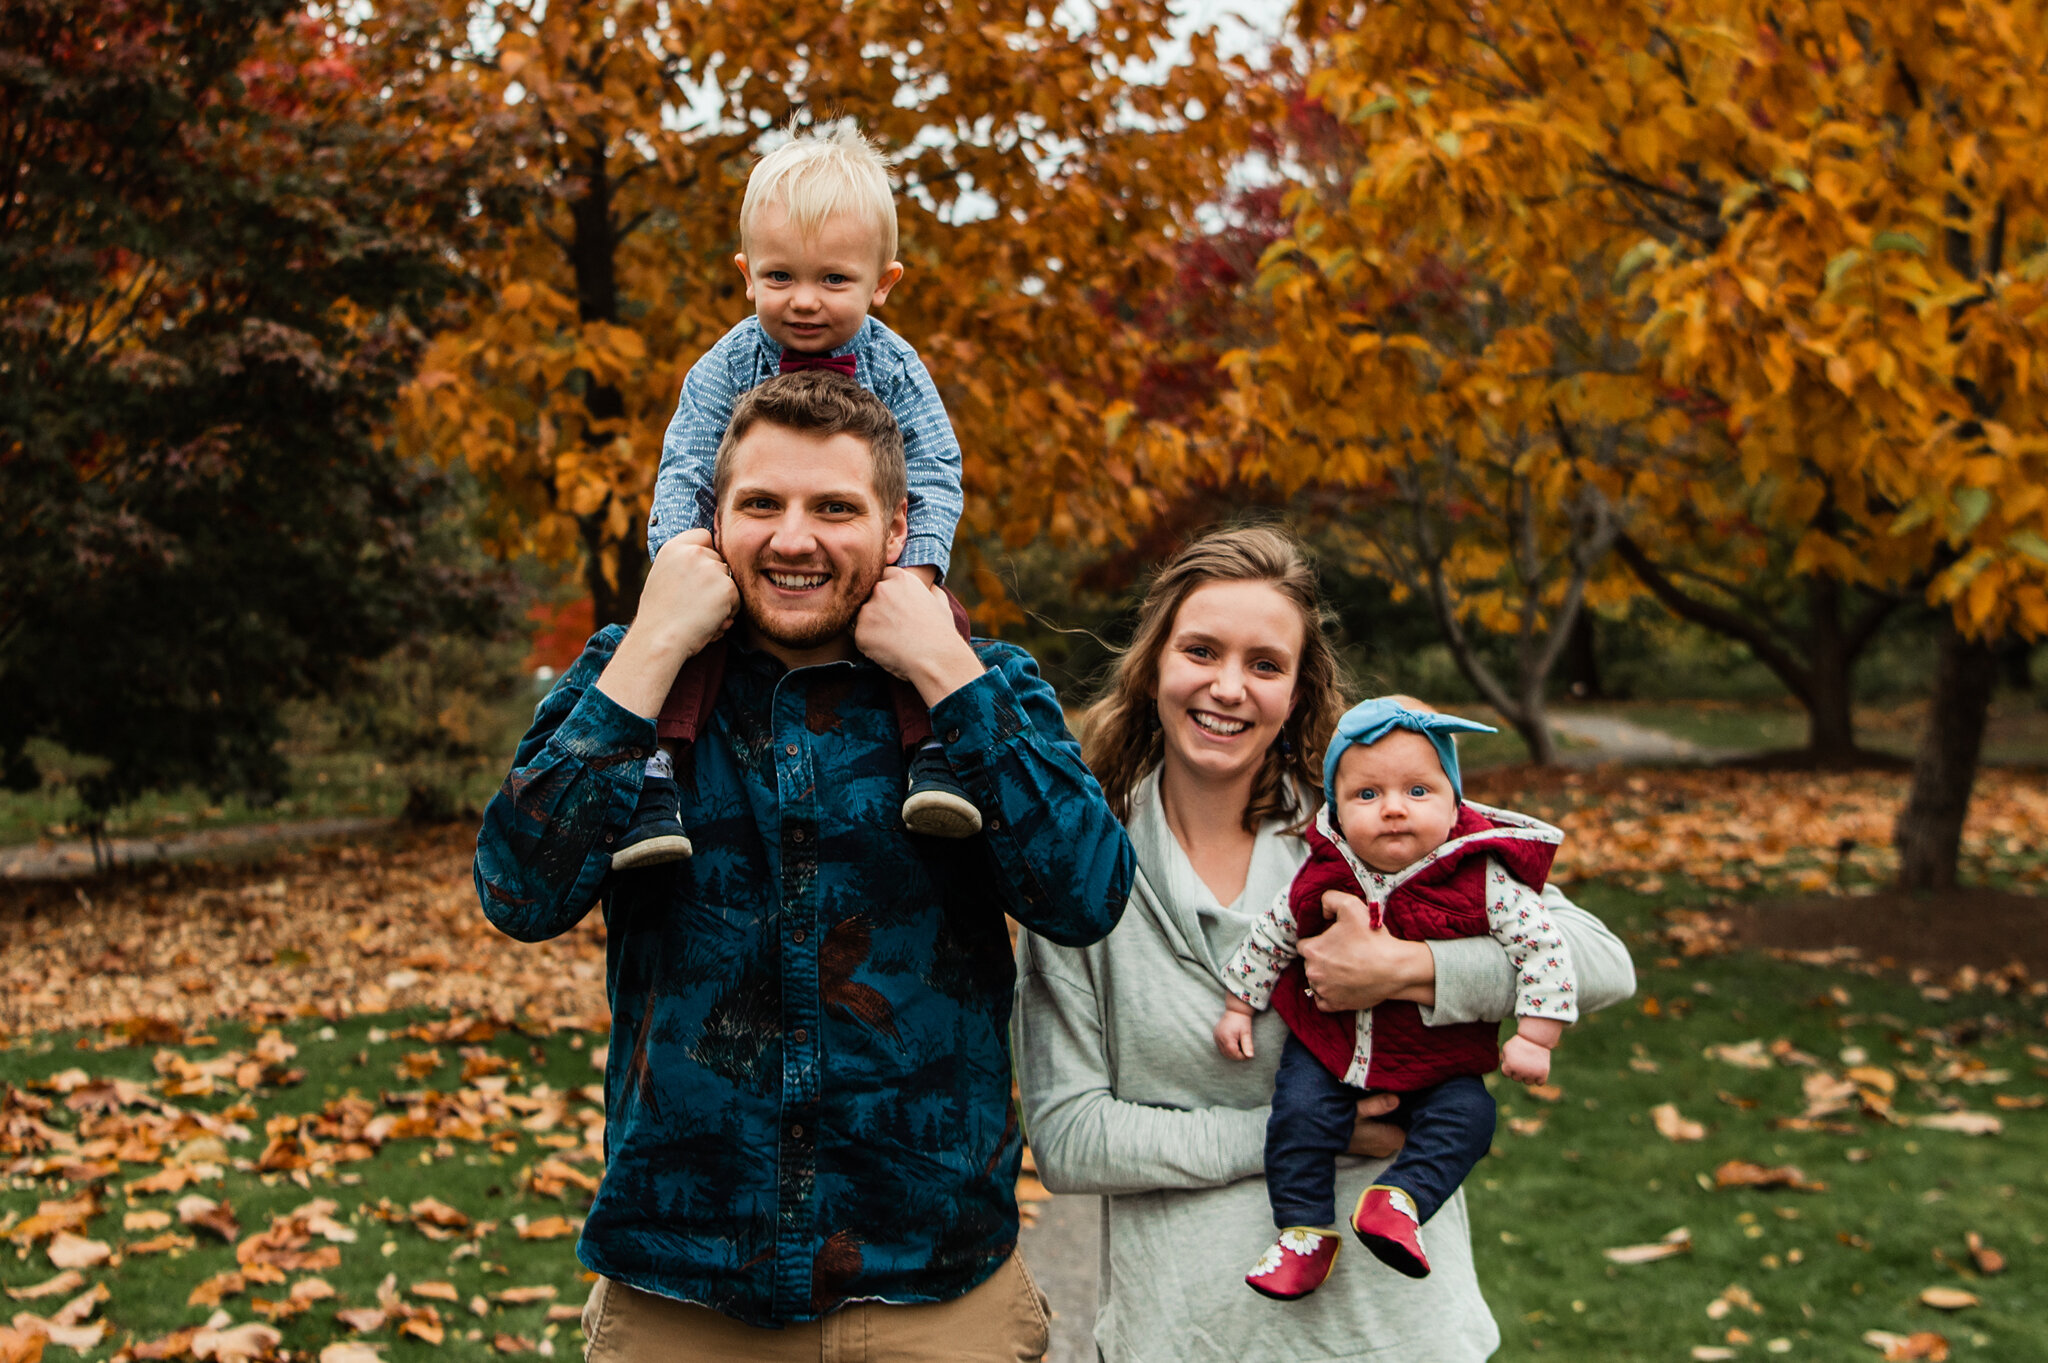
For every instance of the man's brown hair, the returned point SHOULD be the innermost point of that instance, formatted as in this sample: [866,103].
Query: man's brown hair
[822,403]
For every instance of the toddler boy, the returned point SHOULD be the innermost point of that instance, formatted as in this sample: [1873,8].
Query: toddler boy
[817,249]
[1397,833]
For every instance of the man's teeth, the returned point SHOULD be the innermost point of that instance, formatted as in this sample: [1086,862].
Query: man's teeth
[797,582]
[1216,724]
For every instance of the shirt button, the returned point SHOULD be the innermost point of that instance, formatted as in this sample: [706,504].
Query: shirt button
[796,1132]
[790,749]
[797,836]
[800,1036]
[798,936]
[995,825]
[952,735]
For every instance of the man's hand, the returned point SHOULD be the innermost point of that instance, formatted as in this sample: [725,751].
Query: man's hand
[1352,964]
[1233,1034]
[907,627]
[687,601]
[1372,1138]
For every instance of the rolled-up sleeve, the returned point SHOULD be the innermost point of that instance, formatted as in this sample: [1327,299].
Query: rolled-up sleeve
[544,850]
[1065,862]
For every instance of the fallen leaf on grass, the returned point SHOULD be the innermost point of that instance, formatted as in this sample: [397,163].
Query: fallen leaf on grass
[524,1296]
[1966,1123]
[161,1244]
[81,1307]
[1733,1296]
[54,1218]
[2020,1102]
[1948,1298]
[1672,1127]
[431,1211]
[70,1280]
[362,1319]
[1922,1344]
[21,1346]
[1711,1353]
[149,1220]
[547,1228]
[205,1214]
[350,1351]
[563,1312]
[78,1338]
[75,1251]
[1677,1242]
[1528,1126]
[1742,1173]
[1749,1055]
[510,1344]
[1989,1261]
[217,1289]
[227,1342]
[437,1291]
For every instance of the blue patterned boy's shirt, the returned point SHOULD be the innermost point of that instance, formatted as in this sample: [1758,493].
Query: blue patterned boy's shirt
[807,1095]
[746,357]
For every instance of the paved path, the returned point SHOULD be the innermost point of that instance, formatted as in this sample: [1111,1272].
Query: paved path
[64,860]
[1064,1251]
[1615,739]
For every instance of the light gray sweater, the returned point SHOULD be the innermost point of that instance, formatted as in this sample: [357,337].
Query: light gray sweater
[1125,1095]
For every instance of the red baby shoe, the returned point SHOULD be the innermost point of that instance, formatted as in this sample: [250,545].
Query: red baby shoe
[1386,1222]
[1294,1265]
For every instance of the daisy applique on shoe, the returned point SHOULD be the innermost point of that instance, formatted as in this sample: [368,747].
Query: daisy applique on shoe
[1387,1224]
[1294,1265]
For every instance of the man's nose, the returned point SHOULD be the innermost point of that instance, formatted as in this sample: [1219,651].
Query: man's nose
[794,535]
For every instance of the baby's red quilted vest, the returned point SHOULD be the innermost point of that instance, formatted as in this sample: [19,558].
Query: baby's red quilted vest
[1443,899]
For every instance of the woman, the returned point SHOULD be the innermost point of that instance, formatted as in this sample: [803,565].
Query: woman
[1209,745]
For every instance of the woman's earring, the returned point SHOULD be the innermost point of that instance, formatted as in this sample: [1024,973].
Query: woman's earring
[1286,746]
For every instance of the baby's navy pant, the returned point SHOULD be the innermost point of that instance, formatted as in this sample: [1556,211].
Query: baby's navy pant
[1449,1127]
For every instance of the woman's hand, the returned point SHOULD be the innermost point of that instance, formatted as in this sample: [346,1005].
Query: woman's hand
[1372,1138]
[1352,964]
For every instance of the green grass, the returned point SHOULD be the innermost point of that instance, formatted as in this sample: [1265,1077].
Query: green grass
[1598,1176]
[149,1292]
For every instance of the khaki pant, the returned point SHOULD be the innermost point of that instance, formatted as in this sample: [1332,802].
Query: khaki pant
[1002,1321]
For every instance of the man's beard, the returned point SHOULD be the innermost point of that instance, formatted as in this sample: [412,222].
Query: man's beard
[801,632]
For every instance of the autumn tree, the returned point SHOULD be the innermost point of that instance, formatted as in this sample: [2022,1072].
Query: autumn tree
[221,237]
[1043,177]
[1819,218]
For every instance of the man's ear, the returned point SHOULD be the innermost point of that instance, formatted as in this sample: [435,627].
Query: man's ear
[740,259]
[891,273]
[899,532]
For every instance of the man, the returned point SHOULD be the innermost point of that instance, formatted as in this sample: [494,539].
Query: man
[810,1147]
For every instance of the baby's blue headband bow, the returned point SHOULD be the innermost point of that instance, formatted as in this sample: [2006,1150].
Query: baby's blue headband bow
[1370,721]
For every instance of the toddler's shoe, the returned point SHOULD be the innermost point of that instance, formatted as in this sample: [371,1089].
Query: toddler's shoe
[1388,1226]
[1294,1265]
[936,805]
[656,834]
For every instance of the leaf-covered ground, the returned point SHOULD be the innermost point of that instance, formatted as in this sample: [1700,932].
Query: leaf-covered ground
[318,1108]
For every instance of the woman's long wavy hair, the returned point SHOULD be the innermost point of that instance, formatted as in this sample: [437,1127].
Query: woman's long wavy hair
[1122,740]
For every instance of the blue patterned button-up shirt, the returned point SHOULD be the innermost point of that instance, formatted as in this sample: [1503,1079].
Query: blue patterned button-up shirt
[807,1095]
[883,363]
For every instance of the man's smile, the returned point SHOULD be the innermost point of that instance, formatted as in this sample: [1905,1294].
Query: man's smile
[795,582]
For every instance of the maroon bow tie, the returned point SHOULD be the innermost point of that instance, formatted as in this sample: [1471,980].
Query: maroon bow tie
[793,363]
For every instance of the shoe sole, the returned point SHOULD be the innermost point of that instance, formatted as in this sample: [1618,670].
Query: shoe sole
[653,852]
[939,815]
[1392,1253]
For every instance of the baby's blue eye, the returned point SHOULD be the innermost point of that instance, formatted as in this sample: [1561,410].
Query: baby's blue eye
[1418,792]
[1368,793]
[835,279]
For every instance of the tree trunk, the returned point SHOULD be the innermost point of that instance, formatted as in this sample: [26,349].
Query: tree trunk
[1582,661]
[593,253]
[1929,833]
[1532,724]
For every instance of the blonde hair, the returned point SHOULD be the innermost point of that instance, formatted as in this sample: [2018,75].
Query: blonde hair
[1122,740]
[817,176]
